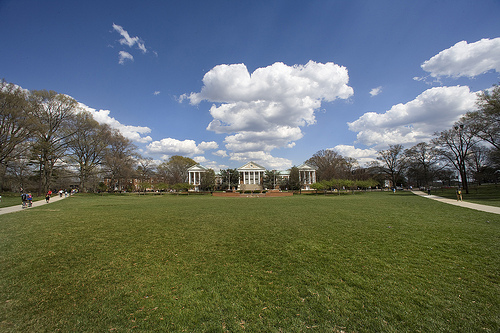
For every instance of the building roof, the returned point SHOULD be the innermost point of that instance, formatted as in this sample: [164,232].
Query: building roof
[252,166]
[197,167]
[306,167]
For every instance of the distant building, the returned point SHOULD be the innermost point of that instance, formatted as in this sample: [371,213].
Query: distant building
[194,175]
[251,176]
[307,176]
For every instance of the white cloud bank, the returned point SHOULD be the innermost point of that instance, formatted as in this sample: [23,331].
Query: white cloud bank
[363,156]
[266,109]
[169,146]
[463,59]
[434,110]
[134,133]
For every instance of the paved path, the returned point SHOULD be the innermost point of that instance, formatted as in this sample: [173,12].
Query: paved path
[18,208]
[483,208]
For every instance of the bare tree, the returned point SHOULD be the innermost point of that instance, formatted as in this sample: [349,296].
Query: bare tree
[145,168]
[174,171]
[329,164]
[119,160]
[486,119]
[51,114]
[422,161]
[394,162]
[477,163]
[88,146]
[455,145]
[14,125]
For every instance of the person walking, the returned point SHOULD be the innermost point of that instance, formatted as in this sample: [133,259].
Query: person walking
[30,200]
[24,199]
[47,196]
[459,194]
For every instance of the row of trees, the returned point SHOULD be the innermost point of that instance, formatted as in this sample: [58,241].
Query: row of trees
[45,138]
[471,149]
[47,141]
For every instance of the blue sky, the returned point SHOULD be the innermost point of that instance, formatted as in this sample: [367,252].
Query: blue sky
[227,82]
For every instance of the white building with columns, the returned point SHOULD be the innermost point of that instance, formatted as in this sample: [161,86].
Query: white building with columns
[251,176]
[194,175]
[307,176]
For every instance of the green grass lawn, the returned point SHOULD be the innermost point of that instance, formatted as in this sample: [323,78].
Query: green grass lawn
[371,262]
[14,199]
[487,194]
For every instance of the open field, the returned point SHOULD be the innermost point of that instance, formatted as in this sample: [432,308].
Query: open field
[488,194]
[14,199]
[354,263]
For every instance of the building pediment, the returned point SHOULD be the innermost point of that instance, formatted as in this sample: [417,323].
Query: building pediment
[251,166]
[305,167]
[198,167]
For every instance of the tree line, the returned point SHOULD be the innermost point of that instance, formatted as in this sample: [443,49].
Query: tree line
[469,149]
[48,142]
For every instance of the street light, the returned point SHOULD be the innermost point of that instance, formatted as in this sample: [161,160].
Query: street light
[461,154]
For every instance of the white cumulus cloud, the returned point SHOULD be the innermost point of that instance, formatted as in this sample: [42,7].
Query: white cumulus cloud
[363,156]
[200,159]
[266,109]
[221,153]
[134,133]
[171,146]
[436,109]
[463,59]
[262,158]
[208,145]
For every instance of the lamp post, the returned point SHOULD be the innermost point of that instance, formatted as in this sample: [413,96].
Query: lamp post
[461,155]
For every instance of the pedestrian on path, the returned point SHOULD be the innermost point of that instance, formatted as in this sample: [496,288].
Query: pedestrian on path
[459,194]
[47,196]
[24,199]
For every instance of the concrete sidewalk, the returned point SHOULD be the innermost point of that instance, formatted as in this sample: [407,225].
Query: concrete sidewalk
[483,208]
[18,208]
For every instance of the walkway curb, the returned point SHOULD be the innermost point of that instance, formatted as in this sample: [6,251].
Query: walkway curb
[483,208]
